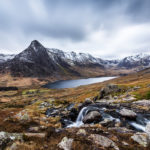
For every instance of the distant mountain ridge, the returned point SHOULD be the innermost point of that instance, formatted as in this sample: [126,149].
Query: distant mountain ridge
[6,57]
[137,61]
[38,61]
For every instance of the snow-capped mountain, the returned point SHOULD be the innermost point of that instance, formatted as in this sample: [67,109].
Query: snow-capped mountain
[73,58]
[6,57]
[37,60]
[140,61]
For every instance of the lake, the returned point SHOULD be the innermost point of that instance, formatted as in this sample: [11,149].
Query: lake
[75,83]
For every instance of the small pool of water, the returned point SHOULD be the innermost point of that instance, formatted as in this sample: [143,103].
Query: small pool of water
[75,83]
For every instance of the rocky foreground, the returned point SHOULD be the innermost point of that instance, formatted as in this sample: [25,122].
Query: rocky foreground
[112,119]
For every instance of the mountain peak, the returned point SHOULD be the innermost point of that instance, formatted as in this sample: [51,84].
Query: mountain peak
[35,42]
[36,45]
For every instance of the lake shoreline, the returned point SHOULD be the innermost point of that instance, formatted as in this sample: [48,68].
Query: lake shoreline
[60,84]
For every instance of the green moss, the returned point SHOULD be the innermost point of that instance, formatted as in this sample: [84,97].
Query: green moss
[148,95]
[32,91]
[35,91]
[140,96]
[59,102]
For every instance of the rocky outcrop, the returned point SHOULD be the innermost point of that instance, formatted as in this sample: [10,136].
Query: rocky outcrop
[6,138]
[52,112]
[86,102]
[109,89]
[127,113]
[121,130]
[93,116]
[35,135]
[103,141]
[142,103]
[81,132]
[141,138]
[23,116]
[34,129]
[66,143]
[147,128]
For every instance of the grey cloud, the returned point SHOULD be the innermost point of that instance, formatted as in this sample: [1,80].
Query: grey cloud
[73,20]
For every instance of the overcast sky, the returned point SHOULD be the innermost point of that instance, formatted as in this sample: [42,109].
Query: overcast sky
[103,28]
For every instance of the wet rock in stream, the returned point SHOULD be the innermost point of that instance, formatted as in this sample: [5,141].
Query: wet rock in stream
[52,112]
[92,117]
[127,113]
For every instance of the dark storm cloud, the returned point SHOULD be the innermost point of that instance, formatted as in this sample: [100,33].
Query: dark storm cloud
[139,10]
[74,20]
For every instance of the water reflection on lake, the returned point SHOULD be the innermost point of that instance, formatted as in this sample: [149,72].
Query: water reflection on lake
[76,83]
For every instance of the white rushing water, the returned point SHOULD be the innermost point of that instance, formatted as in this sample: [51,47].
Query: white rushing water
[84,111]
[138,126]
[79,119]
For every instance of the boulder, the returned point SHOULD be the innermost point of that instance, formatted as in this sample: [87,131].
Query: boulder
[70,106]
[35,135]
[45,104]
[125,143]
[121,130]
[136,88]
[129,98]
[6,137]
[73,114]
[147,128]
[14,146]
[115,97]
[142,103]
[103,141]
[141,138]
[92,117]
[23,116]
[88,101]
[109,89]
[21,146]
[107,122]
[52,112]
[34,129]
[66,143]
[81,132]
[127,113]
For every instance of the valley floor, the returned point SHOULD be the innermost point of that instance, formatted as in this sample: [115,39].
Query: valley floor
[36,118]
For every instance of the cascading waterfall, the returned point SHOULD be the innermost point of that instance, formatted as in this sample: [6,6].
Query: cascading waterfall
[139,124]
[85,110]
[79,119]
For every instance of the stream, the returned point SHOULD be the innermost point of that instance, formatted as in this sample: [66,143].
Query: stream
[139,123]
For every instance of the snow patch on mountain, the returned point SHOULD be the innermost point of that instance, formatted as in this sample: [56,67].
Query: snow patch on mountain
[6,57]
[73,58]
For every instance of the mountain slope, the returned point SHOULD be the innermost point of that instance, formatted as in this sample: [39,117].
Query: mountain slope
[139,61]
[35,62]
[38,61]
[4,58]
